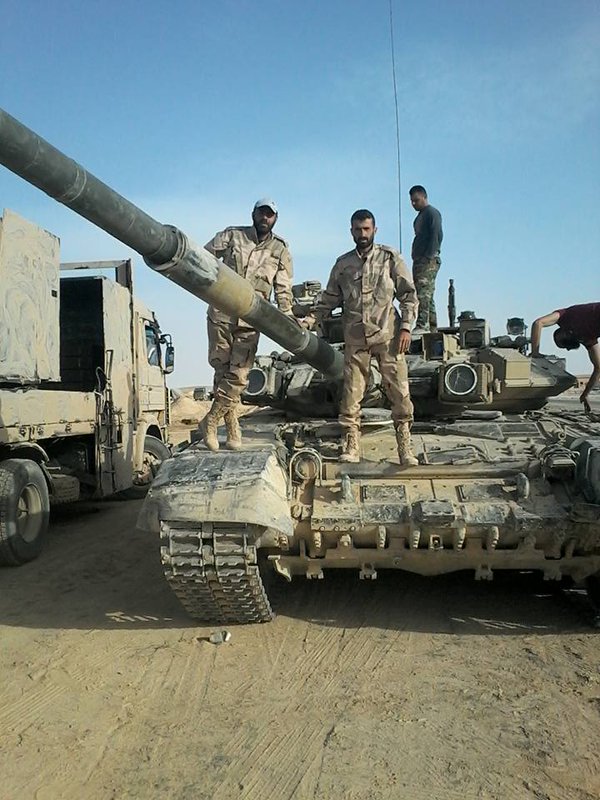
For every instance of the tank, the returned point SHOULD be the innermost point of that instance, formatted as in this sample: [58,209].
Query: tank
[501,484]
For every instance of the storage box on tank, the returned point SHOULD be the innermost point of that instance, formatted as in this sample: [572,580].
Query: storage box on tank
[29,302]
[511,368]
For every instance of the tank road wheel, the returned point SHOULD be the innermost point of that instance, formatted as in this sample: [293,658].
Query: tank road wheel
[155,452]
[24,511]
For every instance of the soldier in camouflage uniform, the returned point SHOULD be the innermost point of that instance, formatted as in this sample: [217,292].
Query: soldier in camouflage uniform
[364,282]
[263,258]
[425,257]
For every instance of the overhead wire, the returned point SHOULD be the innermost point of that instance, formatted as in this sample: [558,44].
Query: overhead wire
[397,125]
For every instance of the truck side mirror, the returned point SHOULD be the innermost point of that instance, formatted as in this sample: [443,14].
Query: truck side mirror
[169,359]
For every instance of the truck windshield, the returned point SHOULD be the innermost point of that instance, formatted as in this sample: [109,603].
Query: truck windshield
[152,346]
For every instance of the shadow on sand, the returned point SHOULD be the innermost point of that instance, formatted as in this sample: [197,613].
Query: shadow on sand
[98,572]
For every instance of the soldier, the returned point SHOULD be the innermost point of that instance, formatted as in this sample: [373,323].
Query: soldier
[576,325]
[425,257]
[263,258]
[364,283]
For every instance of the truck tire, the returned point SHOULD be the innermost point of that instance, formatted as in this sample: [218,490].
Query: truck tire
[155,452]
[24,511]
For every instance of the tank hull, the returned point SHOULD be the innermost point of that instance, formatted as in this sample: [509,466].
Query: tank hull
[486,496]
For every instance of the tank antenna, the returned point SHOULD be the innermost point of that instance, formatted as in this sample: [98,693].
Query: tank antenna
[397,126]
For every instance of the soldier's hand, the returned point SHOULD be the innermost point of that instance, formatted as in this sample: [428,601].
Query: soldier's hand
[404,341]
[308,322]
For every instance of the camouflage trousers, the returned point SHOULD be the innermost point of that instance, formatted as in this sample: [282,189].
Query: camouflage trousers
[425,271]
[231,352]
[394,373]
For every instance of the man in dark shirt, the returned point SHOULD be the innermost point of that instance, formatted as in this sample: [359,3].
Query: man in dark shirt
[576,325]
[425,257]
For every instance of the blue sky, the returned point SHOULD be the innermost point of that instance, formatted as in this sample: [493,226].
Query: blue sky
[193,110]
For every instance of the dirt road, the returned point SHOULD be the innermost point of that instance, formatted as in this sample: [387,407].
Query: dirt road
[404,688]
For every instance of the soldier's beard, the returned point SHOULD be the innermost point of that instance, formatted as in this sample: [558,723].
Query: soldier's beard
[364,243]
[262,227]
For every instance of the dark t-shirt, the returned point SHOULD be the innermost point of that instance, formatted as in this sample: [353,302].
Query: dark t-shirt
[582,321]
[428,233]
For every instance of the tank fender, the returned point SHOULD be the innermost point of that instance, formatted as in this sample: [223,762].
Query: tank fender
[197,486]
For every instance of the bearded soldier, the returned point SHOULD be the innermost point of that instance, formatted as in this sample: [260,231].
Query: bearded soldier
[263,258]
[364,283]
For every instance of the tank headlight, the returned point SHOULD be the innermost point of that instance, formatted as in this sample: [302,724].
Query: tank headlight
[460,379]
[257,382]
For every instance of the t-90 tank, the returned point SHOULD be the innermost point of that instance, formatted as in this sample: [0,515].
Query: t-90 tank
[494,489]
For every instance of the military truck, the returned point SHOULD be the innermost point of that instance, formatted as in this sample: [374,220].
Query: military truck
[84,407]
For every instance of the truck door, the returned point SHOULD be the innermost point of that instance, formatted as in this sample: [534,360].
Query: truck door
[152,381]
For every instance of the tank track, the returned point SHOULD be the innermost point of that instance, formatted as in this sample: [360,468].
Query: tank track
[213,571]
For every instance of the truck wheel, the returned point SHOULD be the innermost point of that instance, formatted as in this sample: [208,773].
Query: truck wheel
[155,452]
[24,511]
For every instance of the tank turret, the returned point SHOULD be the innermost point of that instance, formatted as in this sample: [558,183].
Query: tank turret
[457,368]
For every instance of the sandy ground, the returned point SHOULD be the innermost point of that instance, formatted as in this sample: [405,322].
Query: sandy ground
[409,688]
[404,688]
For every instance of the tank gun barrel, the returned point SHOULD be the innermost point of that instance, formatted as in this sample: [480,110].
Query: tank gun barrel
[165,249]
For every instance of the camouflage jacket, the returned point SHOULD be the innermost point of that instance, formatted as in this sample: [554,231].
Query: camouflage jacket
[267,265]
[365,289]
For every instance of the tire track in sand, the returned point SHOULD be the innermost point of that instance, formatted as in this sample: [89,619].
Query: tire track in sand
[271,766]
[18,715]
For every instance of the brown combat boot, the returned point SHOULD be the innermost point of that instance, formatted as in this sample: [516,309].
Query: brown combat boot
[234,433]
[405,454]
[351,446]
[210,425]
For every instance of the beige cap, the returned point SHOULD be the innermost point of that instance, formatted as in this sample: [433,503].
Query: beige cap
[266,201]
